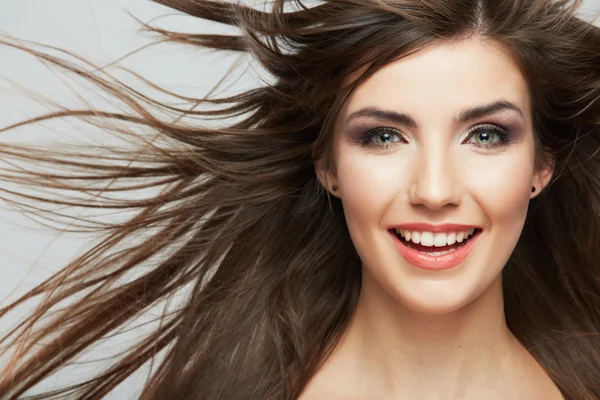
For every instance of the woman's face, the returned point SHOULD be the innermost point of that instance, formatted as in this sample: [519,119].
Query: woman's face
[439,138]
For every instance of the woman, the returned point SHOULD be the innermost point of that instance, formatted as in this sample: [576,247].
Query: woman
[410,210]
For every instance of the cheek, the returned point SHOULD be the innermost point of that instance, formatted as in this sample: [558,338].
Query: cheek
[501,186]
[369,184]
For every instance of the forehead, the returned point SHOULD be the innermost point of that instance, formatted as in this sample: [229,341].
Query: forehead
[442,78]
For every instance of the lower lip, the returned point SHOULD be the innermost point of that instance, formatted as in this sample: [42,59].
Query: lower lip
[444,261]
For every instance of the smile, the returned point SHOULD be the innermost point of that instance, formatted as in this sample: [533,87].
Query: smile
[434,250]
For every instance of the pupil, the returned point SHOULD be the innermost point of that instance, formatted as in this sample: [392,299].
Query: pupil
[385,137]
[484,136]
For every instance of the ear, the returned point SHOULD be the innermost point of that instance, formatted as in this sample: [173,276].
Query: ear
[326,177]
[542,175]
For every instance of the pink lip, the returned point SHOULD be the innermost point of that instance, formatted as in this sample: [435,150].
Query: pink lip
[421,226]
[425,261]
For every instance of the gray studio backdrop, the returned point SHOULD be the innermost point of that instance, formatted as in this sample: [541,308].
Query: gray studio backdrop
[101,31]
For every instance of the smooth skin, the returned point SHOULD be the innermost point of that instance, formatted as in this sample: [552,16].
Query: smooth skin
[423,334]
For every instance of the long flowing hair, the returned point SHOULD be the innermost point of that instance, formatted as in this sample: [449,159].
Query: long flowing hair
[242,227]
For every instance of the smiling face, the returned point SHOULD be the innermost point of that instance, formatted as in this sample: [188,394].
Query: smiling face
[443,136]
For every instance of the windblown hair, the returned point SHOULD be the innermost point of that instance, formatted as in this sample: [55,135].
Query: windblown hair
[249,235]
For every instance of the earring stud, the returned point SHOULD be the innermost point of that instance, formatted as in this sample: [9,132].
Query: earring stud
[334,188]
[533,189]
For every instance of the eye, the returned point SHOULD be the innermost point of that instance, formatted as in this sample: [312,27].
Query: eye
[488,136]
[381,137]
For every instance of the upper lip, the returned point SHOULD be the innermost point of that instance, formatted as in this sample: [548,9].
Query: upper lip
[422,226]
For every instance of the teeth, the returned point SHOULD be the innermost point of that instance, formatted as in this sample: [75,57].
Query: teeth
[431,239]
[451,238]
[426,239]
[440,239]
[416,237]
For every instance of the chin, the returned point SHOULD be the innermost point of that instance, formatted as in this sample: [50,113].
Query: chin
[436,305]
[442,296]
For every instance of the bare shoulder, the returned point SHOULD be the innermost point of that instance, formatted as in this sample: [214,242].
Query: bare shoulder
[534,383]
[540,391]
[325,394]
[316,389]
[330,383]
[545,389]
[522,379]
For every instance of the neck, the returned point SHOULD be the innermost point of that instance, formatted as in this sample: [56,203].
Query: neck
[407,354]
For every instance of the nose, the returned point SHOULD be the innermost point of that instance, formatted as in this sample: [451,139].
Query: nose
[435,182]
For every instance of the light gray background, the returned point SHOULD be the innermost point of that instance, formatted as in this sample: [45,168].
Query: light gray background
[101,31]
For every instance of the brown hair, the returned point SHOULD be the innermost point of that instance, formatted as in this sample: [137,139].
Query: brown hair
[243,228]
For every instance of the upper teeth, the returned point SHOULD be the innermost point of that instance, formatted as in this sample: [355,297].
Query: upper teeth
[435,239]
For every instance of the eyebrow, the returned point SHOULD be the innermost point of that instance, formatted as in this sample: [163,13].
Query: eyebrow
[465,115]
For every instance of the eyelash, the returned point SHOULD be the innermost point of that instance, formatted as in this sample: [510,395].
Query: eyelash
[504,138]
